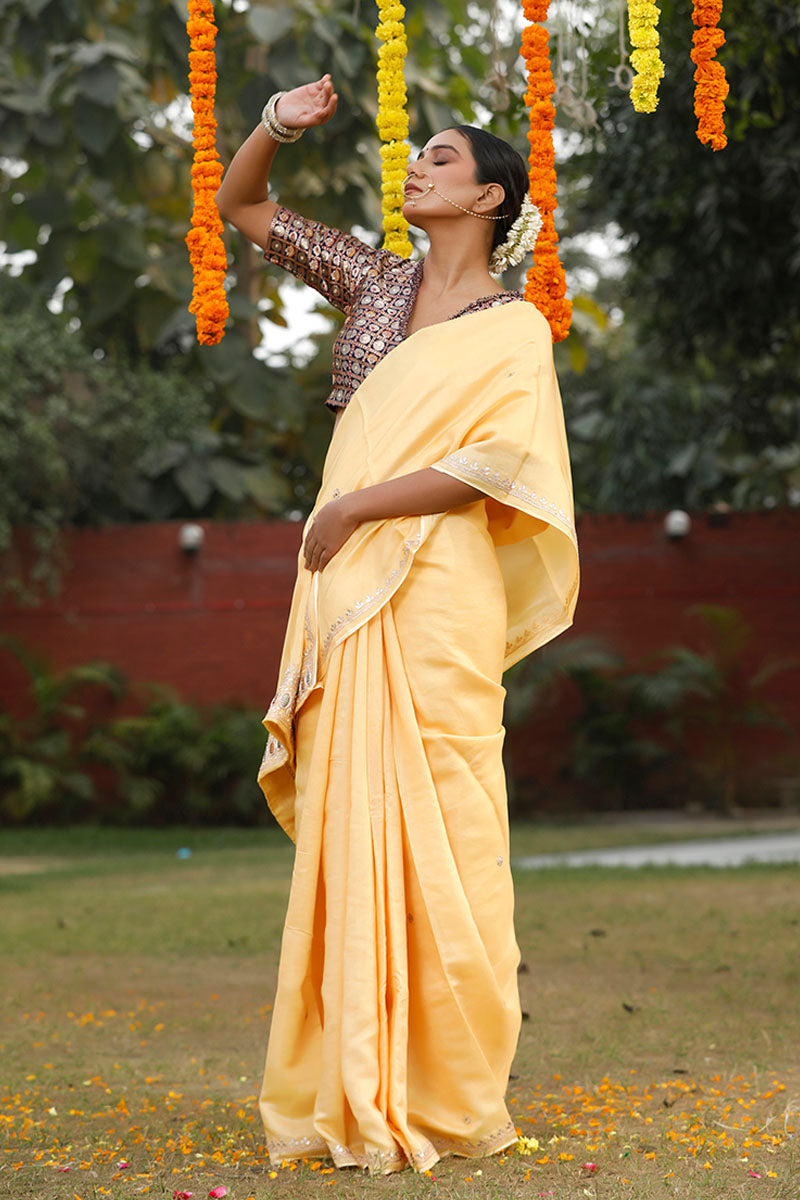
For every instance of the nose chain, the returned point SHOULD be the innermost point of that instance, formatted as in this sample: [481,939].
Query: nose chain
[484,216]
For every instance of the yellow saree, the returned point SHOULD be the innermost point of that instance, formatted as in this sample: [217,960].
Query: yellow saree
[397,1015]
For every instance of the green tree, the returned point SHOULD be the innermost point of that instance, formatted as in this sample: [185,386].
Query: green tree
[85,440]
[686,395]
[693,397]
[95,127]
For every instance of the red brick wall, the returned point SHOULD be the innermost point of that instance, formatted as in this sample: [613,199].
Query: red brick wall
[637,590]
[211,625]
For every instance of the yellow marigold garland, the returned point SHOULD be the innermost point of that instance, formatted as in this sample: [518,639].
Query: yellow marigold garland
[711,85]
[645,59]
[546,284]
[392,122]
[206,250]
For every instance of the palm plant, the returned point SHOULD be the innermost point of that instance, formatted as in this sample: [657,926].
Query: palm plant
[41,759]
[712,699]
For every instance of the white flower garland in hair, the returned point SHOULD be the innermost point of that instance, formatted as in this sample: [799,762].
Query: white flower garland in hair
[520,239]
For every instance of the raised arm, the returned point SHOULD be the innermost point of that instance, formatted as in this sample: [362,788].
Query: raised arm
[243,198]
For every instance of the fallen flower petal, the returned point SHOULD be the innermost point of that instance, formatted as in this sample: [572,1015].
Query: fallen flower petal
[754,1174]
[182,1195]
[526,1145]
[590,1166]
[122,1164]
[216,1192]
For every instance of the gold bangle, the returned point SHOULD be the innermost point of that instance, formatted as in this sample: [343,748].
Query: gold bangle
[280,133]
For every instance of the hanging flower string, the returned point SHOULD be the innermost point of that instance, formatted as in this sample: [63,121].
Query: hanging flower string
[392,124]
[546,285]
[710,83]
[206,250]
[645,58]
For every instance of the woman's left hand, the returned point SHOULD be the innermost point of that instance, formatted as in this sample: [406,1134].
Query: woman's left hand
[329,531]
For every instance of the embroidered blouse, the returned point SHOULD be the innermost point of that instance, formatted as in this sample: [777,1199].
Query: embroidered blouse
[375,289]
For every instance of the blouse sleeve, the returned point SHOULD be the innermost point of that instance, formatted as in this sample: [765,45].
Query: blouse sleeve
[333,263]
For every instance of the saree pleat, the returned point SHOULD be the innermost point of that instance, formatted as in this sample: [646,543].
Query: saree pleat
[399,934]
[397,1014]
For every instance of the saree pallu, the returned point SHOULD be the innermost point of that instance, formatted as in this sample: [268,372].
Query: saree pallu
[397,1014]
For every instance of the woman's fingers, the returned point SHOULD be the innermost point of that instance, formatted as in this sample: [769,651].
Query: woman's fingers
[325,100]
[313,551]
[330,530]
[317,555]
[322,101]
[311,104]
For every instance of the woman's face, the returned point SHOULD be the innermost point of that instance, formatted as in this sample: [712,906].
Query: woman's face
[446,161]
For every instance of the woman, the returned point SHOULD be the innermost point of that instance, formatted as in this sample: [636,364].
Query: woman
[441,549]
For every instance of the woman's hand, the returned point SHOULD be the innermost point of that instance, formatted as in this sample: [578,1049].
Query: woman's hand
[311,104]
[329,531]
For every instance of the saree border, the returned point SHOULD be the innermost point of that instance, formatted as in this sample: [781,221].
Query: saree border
[364,609]
[293,689]
[474,469]
[384,1162]
[298,681]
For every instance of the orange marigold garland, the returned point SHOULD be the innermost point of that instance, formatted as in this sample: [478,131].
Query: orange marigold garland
[206,250]
[711,86]
[546,285]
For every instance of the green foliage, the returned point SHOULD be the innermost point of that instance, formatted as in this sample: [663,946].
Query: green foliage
[638,738]
[534,682]
[87,440]
[94,108]
[611,749]
[617,749]
[176,763]
[707,273]
[92,749]
[42,758]
[74,758]
[713,698]
[679,378]
[694,398]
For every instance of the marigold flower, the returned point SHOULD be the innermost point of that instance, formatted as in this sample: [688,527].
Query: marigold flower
[392,122]
[711,85]
[645,59]
[526,1145]
[204,240]
[546,284]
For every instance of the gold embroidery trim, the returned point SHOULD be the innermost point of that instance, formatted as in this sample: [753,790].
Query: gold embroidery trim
[295,684]
[383,1161]
[371,602]
[477,470]
[531,630]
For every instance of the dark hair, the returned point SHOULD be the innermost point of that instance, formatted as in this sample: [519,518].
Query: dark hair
[497,162]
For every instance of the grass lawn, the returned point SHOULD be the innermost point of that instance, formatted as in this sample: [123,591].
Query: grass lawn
[660,1058]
